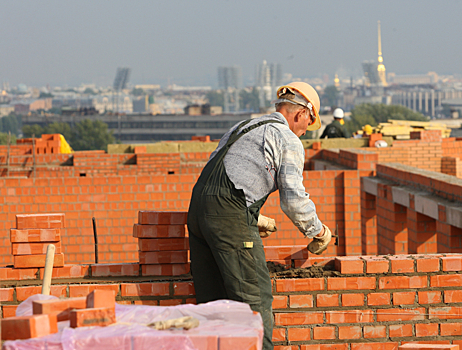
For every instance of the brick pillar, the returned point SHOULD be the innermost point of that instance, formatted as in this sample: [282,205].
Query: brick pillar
[392,231]
[422,233]
[352,207]
[368,224]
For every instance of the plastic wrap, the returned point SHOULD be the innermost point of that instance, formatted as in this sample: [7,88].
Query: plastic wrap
[224,325]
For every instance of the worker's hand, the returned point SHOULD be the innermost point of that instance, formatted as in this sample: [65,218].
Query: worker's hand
[319,244]
[266,226]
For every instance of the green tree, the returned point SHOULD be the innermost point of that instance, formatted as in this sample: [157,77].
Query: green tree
[4,138]
[10,123]
[215,98]
[249,100]
[89,91]
[91,135]
[330,96]
[374,114]
[59,128]
[138,92]
[45,95]
[32,130]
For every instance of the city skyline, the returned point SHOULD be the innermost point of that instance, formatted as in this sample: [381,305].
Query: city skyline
[58,43]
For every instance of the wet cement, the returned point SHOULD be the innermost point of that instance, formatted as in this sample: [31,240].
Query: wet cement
[315,271]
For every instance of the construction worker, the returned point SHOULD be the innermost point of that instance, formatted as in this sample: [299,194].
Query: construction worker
[253,159]
[336,128]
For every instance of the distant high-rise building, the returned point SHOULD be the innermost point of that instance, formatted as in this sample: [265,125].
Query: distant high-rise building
[267,78]
[230,81]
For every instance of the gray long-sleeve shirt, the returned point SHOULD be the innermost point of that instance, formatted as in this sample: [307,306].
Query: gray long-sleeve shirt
[269,158]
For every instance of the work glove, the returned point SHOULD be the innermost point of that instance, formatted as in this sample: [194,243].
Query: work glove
[266,226]
[319,244]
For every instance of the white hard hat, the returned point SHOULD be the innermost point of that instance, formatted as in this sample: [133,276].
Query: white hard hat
[338,113]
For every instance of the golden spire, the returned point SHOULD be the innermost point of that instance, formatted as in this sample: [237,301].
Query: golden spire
[336,80]
[381,66]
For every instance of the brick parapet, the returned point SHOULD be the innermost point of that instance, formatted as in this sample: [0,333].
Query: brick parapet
[368,301]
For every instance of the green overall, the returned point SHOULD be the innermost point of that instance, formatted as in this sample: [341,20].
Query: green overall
[227,256]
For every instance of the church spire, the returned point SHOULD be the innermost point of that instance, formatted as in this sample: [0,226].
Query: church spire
[381,66]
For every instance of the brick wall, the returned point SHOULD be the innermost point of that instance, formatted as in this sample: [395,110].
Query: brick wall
[367,302]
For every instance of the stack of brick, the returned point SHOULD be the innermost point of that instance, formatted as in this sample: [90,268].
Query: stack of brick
[96,309]
[289,256]
[163,247]
[31,237]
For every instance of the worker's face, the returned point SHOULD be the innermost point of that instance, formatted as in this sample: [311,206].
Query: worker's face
[302,119]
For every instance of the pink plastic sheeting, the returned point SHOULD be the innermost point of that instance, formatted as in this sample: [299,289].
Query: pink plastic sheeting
[224,325]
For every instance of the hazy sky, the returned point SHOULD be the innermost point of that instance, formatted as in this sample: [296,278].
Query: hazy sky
[73,42]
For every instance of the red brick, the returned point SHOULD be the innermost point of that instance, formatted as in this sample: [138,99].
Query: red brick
[377,265]
[301,301]
[164,257]
[299,252]
[156,244]
[112,270]
[22,293]
[430,297]
[402,282]
[279,334]
[9,310]
[162,218]
[445,313]
[323,333]
[35,235]
[25,327]
[159,231]
[183,288]
[68,271]
[385,315]
[6,294]
[286,347]
[145,289]
[451,263]
[349,283]
[449,329]
[170,302]
[324,347]
[404,298]
[280,301]
[84,289]
[349,332]
[355,299]
[324,300]
[428,265]
[453,296]
[350,316]
[349,265]
[401,265]
[299,285]
[11,274]
[446,281]
[238,342]
[298,334]
[100,298]
[400,330]
[29,261]
[164,269]
[428,346]
[374,346]
[61,307]
[33,248]
[44,221]
[298,318]
[92,317]
[426,329]
[378,299]
[375,331]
